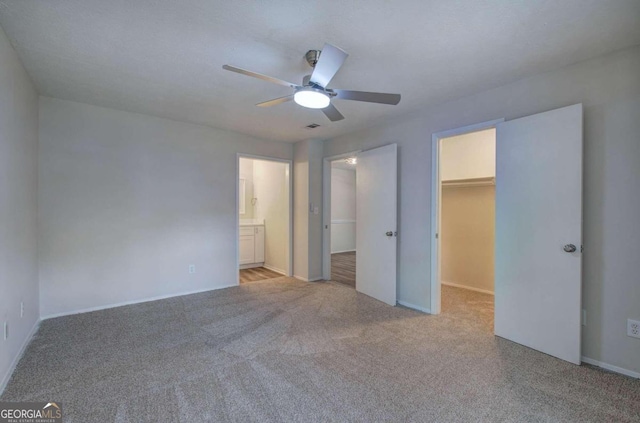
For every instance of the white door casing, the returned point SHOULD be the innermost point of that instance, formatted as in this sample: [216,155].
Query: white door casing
[376,215]
[538,212]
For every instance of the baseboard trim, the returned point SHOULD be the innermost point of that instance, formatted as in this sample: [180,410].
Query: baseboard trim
[457,285]
[610,367]
[308,280]
[125,303]
[414,307]
[250,265]
[16,359]
[344,251]
[275,269]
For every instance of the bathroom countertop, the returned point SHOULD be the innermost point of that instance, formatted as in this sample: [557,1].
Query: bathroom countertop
[251,222]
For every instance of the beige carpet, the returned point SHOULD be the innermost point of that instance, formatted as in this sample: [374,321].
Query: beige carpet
[289,351]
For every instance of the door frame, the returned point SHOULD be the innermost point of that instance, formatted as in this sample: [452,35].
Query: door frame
[326,210]
[436,195]
[289,164]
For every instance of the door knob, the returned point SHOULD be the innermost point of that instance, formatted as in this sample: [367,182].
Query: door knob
[569,248]
[389,233]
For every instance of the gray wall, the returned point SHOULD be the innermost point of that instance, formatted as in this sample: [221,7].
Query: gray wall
[128,201]
[609,88]
[301,210]
[18,206]
[307,190]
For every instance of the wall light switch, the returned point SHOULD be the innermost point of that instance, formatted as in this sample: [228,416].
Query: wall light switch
[192,268]
[21,309]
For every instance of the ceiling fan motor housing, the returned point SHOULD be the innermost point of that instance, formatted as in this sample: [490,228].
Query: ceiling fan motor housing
[312,57]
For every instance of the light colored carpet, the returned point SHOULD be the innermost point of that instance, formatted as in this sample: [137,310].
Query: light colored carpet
[290,351]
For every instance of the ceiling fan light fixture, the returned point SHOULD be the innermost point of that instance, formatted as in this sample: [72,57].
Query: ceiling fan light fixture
[311,98]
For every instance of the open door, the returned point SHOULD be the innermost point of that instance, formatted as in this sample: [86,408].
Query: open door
[539,231]
[376,220]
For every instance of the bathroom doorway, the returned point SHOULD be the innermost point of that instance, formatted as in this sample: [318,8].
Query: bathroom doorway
[264,218]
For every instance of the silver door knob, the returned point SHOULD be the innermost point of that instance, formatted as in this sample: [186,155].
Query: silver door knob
[569,248]
[389,233]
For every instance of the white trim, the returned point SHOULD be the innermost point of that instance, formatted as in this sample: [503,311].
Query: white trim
[326,210]
[124,303]
[457,285]
[610,367]
[289,164]
[308,280]
[414,307]
[435,202]
[16,359]
[343,251]
[275,269]
[250,266]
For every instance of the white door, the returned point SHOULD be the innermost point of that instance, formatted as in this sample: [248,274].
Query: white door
[376,210]
[538,224]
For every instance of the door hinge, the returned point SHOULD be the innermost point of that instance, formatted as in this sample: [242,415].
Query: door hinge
[581,248]
[436,236]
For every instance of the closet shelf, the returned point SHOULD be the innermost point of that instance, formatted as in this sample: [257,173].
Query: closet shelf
[472,182]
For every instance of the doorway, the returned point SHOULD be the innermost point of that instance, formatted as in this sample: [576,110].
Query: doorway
[462,219]
[376,209]
[467,225]
[264,218]
[343,220]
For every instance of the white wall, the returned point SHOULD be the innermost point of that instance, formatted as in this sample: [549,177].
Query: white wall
[307,194]
[609,88]
[469,156]
[18,207]
[246,173]
[343,210]
[301,210]
[316,149]
[128,201]
[271,188]
[467,236]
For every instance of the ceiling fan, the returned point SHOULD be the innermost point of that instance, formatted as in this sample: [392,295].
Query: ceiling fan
[313,93]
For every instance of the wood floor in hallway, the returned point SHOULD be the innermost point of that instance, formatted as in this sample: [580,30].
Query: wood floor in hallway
[343,268]
[257,274]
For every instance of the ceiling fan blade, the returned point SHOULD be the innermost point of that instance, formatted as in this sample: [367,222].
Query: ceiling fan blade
[275,101]
[382,98]
[260,76]
[331,59]
[332,113]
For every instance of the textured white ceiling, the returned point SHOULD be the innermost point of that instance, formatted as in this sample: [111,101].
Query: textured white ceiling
[165,57]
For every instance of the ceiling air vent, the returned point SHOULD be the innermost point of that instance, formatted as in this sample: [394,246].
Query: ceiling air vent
[312,126]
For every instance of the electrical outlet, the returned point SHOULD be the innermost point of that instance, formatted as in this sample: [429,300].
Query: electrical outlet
[192,268]
[633,328]
[6,330]
[21,309]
